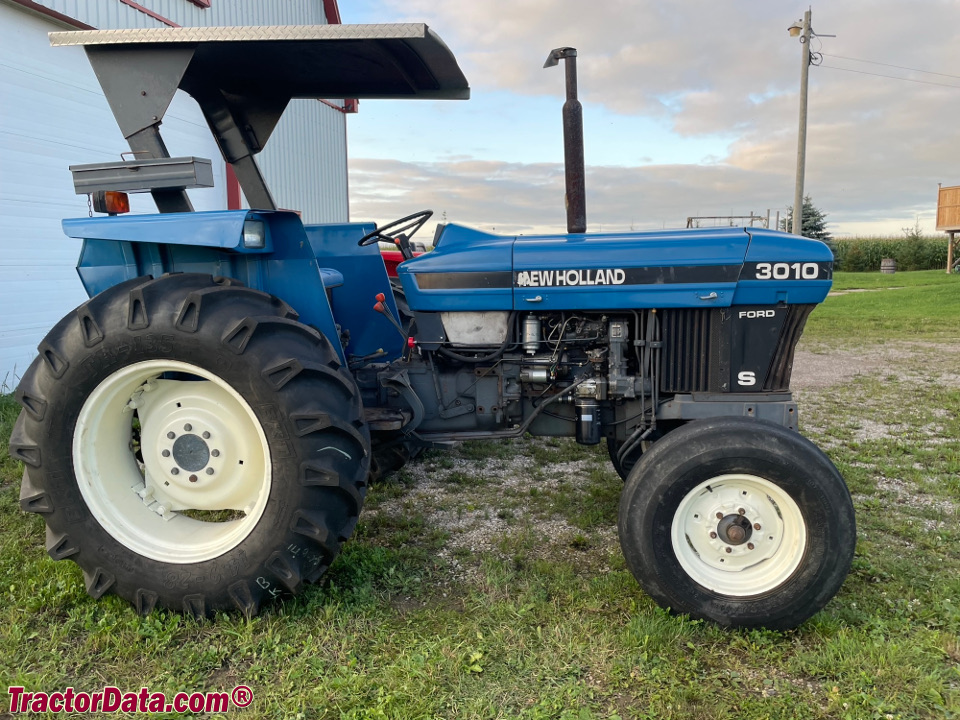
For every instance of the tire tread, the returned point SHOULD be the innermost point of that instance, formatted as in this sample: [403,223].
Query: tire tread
[312,385]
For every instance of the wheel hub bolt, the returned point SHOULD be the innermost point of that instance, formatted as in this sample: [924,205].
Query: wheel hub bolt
[166,453]
[188,427]
[171,435]
[175,471]
[193,478]
[216,453]
[741,511]
[729,550]
[209,471]
[756,526]
[713,535]
[206,435]
[719,516]
[750,546]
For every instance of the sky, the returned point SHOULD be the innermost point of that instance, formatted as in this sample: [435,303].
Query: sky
[690,107]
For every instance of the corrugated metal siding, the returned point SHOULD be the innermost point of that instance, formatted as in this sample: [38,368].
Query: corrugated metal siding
[38,283]
[240,12]
[52,114]
[102,13]
[106,14]
[305,162]
[309,129]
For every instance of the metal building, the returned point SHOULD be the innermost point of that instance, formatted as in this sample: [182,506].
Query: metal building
[53,114]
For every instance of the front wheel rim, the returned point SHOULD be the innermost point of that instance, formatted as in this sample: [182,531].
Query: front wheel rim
[182,499]
[739,535]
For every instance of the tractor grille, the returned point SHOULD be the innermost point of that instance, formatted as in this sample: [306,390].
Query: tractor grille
[689,342]
[778,378]
[700,345]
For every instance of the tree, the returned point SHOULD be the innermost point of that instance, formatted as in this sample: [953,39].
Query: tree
[814,221]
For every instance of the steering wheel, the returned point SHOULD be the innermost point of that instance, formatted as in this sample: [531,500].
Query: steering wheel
[415,221]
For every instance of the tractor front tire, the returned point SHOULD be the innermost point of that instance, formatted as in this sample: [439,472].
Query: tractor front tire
[623,468]
[738,521]
[191,446]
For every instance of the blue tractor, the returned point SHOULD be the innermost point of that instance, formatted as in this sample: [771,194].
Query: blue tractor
[201,433]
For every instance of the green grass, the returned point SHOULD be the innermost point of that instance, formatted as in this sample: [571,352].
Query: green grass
[9,410]
[487,582]
[911,305]
[870,280]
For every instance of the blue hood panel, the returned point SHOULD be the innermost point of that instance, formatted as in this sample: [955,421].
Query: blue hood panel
[470,270]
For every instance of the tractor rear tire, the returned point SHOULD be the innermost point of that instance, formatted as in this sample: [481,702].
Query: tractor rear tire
[191,446]
[738,521]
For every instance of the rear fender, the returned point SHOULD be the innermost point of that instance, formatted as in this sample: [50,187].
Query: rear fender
[116,249]
[364,276]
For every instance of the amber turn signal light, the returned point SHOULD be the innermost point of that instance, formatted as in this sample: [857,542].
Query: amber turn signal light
[113,202]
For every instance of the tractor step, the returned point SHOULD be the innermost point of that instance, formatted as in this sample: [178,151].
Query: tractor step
[385,418]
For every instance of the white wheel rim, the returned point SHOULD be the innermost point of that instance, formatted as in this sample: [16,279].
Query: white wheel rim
[708,545]
[217,459]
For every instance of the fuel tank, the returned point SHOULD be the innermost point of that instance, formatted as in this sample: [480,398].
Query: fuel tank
[697,268]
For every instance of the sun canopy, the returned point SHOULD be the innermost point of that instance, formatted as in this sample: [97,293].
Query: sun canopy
[305,61]
[244,77]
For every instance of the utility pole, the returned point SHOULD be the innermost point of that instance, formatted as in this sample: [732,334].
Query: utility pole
[802,134]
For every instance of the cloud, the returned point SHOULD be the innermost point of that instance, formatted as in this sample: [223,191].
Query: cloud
[513,198]
[876,146]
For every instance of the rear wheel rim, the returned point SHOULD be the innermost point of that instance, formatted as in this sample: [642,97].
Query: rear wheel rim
[739,535]
[200,482]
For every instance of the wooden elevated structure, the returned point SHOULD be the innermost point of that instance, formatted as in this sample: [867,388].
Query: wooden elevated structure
[948,221]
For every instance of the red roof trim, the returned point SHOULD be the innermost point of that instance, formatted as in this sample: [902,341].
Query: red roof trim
[334,105]
[65,19]
[331,12]
[148,11]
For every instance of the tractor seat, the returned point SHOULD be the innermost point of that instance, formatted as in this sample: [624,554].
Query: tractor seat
[331,278]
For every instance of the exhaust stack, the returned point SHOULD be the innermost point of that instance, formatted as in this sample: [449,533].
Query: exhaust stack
[576,199]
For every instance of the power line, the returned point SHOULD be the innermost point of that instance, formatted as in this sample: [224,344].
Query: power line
[891,77]
[899,67]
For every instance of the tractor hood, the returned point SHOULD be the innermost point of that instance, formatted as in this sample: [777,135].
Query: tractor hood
[471,271]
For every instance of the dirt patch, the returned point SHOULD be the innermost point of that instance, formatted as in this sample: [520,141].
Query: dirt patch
[482,506]
[815,369]
[905,494]
[872,430]
[837,293]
